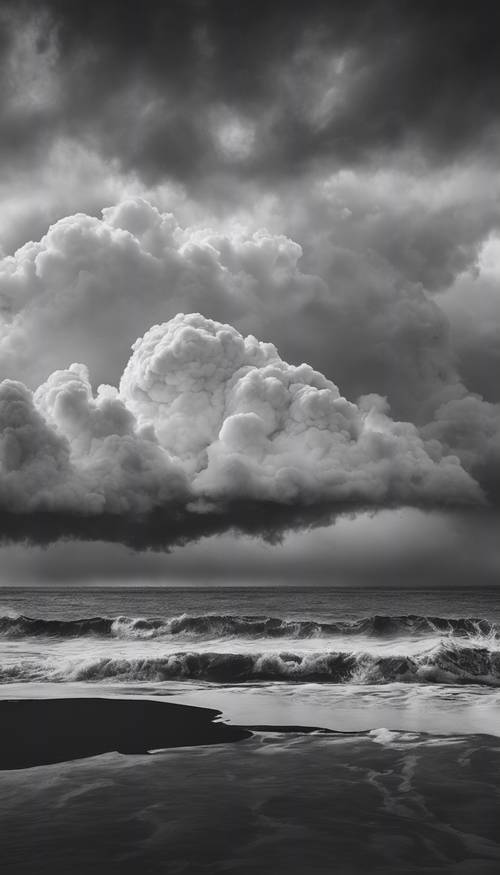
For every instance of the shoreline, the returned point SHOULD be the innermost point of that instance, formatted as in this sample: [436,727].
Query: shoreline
[44,731]
[36,732]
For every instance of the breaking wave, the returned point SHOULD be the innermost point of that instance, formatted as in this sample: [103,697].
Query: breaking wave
[230,626]
[447,663]
[19,626]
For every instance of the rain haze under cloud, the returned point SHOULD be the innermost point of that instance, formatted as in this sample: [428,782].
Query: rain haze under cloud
[321,185]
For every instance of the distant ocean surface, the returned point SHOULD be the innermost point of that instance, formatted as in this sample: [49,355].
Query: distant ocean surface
[339,658]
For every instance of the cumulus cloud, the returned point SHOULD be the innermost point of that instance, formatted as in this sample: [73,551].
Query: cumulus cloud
[209,430]
[86,288]
[90,285]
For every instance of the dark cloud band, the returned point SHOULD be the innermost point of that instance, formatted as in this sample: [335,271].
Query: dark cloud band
[184,88]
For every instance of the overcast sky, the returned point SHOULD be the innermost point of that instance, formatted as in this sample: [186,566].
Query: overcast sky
[319,181]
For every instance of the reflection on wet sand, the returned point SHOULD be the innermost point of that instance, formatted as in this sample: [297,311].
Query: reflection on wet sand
[382,802]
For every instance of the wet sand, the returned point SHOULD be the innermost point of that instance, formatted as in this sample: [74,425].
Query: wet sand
[278,803]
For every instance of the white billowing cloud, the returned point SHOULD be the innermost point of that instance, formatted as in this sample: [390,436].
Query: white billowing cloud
[204,418]
[68,174]
[249,425]
[62,450]
[90,285]
[180,376]
[121,467]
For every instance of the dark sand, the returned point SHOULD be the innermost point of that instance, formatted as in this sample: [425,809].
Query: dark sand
[36,732]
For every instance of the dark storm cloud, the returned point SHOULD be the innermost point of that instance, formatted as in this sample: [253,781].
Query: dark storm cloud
[186,88]
[399,548]
[164,530]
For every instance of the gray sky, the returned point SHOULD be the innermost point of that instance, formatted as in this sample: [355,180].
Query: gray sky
[323,176]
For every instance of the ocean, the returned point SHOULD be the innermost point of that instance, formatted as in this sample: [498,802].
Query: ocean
[413,677]
[346,659]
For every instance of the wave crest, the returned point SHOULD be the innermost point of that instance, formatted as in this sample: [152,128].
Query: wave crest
[229,626]
[19,626]
[448,663]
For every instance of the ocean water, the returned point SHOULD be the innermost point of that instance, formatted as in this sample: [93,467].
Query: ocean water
[342,659]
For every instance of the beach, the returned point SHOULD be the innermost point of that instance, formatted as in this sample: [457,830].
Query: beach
[210,731]
[275,802]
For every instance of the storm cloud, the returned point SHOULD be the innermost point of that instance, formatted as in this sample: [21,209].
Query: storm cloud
[323,177]
[208,431]
[187,88]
